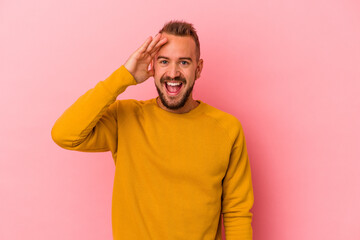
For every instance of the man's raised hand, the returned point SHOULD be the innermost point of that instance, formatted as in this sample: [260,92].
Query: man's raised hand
[138,63]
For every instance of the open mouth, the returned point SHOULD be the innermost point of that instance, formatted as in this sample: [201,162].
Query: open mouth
[173,88]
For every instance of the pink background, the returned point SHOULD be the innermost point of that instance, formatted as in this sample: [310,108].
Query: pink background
[289,70]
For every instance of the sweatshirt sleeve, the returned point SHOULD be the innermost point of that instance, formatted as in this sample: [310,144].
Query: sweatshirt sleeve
[90,123]
[238,198]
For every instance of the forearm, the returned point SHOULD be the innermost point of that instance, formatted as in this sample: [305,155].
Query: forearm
[76,123]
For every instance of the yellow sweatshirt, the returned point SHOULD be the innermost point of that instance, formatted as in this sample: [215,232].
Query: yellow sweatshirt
[174,173]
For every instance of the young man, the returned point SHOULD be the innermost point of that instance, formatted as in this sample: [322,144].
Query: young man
[179,163]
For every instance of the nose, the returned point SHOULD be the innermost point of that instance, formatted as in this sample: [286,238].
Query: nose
[173,71]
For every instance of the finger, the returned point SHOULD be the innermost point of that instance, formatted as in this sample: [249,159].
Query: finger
[153,43]
[145,45]
[158,46]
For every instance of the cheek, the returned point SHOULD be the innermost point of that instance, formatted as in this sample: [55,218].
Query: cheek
[157,76]
[190,74]
[158,71]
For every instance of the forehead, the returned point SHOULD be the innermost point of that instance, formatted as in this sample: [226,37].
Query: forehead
[177,46]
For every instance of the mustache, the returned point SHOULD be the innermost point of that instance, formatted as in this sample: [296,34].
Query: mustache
[179,78]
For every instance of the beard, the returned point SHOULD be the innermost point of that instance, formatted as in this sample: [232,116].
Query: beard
[183,98]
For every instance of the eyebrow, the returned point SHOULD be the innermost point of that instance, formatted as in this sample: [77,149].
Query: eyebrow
[182,58]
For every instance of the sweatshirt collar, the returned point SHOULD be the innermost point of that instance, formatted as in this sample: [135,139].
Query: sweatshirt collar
[197,110]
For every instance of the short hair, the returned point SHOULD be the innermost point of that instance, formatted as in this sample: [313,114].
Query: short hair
[182,28]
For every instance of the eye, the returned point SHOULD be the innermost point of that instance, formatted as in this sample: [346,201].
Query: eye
[163,61]
[184,62]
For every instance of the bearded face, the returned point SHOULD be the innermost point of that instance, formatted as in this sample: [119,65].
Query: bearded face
[176,70]
[174,92]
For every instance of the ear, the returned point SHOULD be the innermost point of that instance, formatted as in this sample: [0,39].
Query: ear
[151,69]
[199,69]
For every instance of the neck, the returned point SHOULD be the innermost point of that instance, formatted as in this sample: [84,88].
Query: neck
[189,105]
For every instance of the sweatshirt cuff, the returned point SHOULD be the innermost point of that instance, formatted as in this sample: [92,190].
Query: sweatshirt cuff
[119,80]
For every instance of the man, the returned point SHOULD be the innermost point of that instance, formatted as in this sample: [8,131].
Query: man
[179,163]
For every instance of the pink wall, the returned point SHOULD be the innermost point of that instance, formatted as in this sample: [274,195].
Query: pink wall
[289,70]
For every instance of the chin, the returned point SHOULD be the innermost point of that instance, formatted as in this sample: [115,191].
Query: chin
[176,102]
[171,103]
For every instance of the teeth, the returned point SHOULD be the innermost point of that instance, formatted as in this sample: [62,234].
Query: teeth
[173,84]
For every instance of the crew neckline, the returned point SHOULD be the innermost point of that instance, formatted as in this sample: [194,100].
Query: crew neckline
[195,111]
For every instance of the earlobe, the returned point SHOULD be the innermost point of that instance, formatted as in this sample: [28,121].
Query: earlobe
[197,75]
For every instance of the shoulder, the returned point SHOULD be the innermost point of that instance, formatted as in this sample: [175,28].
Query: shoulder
[225,120]
[132,103]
